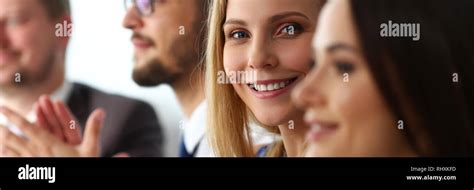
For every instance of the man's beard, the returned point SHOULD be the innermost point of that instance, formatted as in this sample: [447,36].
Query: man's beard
[152,74]
[28,78]
[155,73]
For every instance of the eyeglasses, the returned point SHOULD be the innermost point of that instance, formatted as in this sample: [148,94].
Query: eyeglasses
[144,7]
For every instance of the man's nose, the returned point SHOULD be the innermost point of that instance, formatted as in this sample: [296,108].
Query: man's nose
[132,19]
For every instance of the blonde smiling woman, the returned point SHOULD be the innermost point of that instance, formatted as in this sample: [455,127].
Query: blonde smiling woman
[271,38]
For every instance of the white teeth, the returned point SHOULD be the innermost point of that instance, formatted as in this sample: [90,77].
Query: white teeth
[269,87]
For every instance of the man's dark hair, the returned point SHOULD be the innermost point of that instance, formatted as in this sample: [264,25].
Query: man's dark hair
[56,8]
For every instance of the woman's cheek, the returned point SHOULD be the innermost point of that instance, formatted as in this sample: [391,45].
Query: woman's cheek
[296,56]
[233,59]
[362,113]
[348,101]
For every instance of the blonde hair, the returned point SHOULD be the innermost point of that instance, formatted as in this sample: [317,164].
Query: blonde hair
[227,121]
[228,116]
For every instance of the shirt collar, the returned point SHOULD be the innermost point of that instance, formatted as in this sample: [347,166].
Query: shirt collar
[194,128]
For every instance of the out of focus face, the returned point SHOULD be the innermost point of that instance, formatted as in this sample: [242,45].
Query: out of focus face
[27,42]
[347,113]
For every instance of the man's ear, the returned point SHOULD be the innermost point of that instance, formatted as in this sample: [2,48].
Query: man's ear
[63,30]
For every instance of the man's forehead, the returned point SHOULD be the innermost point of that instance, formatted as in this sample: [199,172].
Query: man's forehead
[17,6]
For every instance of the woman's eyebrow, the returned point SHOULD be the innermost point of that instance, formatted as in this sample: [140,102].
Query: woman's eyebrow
[272,19]
[339,46]
[283,15]
[234,21]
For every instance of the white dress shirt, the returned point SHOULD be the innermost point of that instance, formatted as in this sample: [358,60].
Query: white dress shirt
[62,93]
[194,130]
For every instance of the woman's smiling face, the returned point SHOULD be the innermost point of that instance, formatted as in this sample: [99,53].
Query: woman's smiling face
[269,39]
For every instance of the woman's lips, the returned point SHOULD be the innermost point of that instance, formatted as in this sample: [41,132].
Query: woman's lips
[265,89]
[320,130]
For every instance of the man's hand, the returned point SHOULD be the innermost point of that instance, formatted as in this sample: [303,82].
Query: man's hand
[41,142]
[56,118]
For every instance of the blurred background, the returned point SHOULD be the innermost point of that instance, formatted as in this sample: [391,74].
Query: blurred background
[100,55]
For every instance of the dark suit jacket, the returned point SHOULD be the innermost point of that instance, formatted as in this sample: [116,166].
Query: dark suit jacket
[130,125]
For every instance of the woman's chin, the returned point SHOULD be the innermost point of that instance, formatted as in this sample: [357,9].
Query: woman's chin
[273,120]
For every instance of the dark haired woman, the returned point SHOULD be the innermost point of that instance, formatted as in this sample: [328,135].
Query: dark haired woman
[392,78]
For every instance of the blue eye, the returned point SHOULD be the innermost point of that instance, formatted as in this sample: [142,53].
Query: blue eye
[239,35]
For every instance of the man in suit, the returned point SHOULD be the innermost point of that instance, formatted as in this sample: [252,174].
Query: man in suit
[32,56]
[168,39]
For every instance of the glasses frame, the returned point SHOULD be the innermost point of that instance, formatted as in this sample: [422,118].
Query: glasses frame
[134,4]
